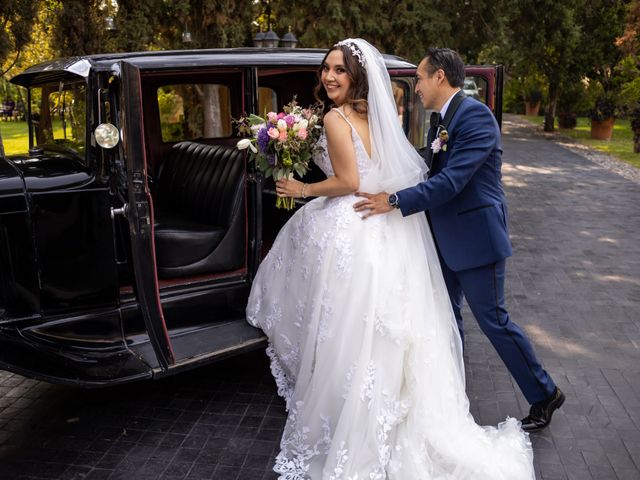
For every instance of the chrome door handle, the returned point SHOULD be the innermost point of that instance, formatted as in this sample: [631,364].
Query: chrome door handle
[119,211]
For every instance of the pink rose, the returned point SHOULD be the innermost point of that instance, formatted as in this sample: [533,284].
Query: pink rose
[272,117]
[302,133]
[283,135]
[281,115]
[307,113]
[273,133]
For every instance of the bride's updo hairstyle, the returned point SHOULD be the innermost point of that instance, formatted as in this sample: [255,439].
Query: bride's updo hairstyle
[357,94]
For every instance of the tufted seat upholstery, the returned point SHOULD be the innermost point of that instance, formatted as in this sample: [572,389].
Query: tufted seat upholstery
[200,210]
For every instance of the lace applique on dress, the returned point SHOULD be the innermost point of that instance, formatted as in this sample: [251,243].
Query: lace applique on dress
[296,447]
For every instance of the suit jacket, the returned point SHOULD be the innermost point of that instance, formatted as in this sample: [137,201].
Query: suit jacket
[464,194]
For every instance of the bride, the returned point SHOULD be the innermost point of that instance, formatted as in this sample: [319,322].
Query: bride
[363,342]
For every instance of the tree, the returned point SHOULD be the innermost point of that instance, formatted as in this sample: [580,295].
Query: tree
[629,41]
[211,23]
[401,28]
[629,45]
[17,18]
[474,25]
[603,23]
[547,34]
[77,27]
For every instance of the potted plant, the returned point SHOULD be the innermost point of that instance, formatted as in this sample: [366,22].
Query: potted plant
[532,103]
[603,116]
[532,92]
[571,100]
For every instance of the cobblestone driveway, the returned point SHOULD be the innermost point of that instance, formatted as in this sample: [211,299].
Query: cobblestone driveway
[573,284]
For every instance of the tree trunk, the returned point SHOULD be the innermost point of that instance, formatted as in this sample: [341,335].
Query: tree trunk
[211,112]
[635,128]
[44,127]
[1,146]
[549,115]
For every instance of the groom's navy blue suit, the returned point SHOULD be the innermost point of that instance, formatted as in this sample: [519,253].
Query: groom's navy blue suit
[467,208]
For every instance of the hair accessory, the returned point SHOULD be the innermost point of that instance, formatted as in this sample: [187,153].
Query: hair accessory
[355,51]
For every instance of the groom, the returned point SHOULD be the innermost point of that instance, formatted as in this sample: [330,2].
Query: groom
[467,210]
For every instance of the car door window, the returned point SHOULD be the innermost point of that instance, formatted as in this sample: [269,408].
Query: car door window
[58,115]
[401,94]
[194,111]
[267,100]
[475,86]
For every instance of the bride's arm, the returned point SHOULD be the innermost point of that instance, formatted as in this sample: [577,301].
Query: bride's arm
[343,160]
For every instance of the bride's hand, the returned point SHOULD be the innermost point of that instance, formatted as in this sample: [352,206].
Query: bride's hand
[286,187]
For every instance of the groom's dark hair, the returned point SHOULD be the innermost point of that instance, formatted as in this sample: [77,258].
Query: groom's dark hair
[447,60]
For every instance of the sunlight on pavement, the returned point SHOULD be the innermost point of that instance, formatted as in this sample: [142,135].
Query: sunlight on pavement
[563,346]
[617,278]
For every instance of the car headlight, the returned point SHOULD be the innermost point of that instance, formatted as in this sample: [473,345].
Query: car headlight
[107,135]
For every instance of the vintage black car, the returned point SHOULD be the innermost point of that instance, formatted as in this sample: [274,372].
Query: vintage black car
[131,230]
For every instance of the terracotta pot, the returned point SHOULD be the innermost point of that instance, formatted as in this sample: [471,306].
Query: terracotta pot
[602,130]
[532,109]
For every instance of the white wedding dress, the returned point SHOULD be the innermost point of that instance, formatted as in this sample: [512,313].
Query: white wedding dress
[365,350]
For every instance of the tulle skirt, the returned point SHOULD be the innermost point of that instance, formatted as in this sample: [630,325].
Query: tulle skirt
[365,350]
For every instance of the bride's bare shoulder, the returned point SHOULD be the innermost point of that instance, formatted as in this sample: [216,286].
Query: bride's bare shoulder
[335,123]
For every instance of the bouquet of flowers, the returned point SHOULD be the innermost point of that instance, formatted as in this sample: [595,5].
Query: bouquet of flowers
[282,143]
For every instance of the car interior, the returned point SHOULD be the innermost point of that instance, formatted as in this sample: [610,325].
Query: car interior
[197,175]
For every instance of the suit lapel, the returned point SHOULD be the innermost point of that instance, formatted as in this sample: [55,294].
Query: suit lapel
[456,101]
[431,159]
[429,153]
[440,159]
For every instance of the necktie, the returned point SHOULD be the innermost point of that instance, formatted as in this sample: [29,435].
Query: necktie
[435,119]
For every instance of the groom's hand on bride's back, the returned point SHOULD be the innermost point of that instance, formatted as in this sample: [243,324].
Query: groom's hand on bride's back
[373,204]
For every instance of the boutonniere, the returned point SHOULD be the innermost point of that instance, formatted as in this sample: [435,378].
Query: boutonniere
[440,143]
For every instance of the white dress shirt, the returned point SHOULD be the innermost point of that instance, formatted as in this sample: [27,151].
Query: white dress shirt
[443,111]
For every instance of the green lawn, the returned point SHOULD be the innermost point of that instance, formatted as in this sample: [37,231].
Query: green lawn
[620,145]
[15,137]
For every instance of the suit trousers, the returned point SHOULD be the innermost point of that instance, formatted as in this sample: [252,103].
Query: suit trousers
[483,288]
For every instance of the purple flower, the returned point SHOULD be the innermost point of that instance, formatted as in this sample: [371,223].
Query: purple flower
[290,119]
[263,139]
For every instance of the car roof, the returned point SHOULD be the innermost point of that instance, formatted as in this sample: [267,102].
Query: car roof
[174,59]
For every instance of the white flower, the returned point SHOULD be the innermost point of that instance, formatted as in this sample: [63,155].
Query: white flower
[246,143]
[255,128]
[301,123]
[436,145]
[313,120]
[282,125]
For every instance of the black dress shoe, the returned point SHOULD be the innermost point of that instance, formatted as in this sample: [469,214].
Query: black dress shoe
[541,412]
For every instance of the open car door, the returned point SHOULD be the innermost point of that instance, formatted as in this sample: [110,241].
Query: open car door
[191,278]
[140,217]
[482,82]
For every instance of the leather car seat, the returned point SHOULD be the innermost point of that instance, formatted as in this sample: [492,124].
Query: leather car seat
[200,210]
